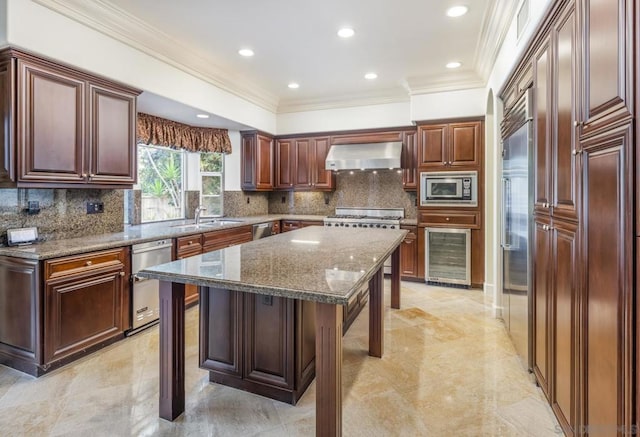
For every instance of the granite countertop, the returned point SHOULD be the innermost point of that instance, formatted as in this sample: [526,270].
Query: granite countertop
[134,235]
[409,222]
[314,263]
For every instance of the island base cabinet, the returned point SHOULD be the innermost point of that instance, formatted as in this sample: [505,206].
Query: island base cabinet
[260,344]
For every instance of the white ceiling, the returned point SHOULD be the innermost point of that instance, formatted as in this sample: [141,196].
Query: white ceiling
[406,42]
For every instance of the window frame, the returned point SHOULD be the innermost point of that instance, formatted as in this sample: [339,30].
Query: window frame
[212,173]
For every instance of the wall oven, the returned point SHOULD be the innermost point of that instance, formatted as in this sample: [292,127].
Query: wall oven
[448,188]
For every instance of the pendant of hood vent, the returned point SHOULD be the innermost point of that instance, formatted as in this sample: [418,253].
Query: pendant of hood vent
[368,156]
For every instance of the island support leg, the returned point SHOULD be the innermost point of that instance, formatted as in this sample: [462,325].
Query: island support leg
[395,279]
[328,370]
[376,314]
[171,350]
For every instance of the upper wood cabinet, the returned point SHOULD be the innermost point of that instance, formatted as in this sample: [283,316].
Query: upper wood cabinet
[300,164]
[542,129]
[69,128]
[444,146]
[410,161]
[257,171]
[608,41]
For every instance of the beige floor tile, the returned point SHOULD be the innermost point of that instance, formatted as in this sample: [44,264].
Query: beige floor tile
[448,369]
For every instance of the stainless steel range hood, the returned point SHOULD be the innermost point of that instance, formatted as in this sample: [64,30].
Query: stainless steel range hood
[364,156]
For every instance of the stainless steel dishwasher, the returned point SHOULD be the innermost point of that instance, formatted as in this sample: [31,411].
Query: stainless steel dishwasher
[145,302]
[262,230]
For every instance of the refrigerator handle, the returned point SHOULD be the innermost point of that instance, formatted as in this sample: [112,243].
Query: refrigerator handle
[505,197]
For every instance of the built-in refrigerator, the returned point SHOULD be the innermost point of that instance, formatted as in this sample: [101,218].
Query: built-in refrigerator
[517,225]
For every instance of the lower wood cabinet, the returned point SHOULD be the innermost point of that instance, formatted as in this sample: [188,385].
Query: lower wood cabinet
[57,310]
[409,254]
[290,225]
[84,298]
[261,344]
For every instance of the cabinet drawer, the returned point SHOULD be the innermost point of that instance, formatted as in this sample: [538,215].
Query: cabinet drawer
[191,245]
[78,264]
[290,225]
[275,228]
[227,237]
[451,218]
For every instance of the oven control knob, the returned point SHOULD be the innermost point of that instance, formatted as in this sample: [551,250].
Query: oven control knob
[392,227]
[377,226]
[384,226]
[341,224]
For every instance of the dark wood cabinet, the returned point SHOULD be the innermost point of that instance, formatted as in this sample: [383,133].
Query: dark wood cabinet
[290,225]
[300,164]
[607,62]
[257,156]
[584,312]
[446,146]
[409,254]
[262,344]
[69,128]
[542,268]
[83,302]
[410,160]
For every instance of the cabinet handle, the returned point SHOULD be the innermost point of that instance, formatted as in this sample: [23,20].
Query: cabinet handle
[121,273]
[91,175]
[88,263]
[84,175]
[447,219]
[190,242]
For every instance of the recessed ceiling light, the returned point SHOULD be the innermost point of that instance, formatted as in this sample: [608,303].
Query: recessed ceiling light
[370,76]
[455,64]
[202,115]
[245,52]
[457,11]
[294,85]
[346,32]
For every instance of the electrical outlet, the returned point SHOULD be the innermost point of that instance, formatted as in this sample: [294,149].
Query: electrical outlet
[33,207]
[95,207]
[284,199]
[248,199]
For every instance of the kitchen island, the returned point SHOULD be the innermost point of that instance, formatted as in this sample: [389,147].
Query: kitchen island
[326,266]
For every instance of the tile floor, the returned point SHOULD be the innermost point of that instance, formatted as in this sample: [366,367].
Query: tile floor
[448,369]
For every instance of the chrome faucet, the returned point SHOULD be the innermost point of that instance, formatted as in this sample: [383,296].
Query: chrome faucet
[199,210]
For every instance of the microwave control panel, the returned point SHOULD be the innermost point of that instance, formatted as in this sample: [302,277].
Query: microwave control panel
[466,189]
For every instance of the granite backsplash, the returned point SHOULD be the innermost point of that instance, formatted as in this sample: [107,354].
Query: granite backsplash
[369,189]
[245,203]
[63,212]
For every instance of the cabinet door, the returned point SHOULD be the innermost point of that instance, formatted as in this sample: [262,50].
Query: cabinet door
[290,225]
[409,161]
[542,130]
[51,135]
[221,331]
[542,278]
[82,311]
[284,164]
[607,291]
[7,151]
[264,167]
[608,75]
[565,326]
[565,165]
[112,143]
[322,179]
[432,144]
[465,144]
[248,162]
[409,254]
[303,164]
[268,337]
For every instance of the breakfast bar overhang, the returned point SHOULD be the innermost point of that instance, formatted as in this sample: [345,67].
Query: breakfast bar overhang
[327,266]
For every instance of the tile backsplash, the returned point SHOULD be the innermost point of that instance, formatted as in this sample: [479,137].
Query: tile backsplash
[379,189]
[63,212]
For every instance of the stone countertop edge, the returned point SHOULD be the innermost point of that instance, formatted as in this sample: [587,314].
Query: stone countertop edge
[277,291]
[409,222]
[133,235]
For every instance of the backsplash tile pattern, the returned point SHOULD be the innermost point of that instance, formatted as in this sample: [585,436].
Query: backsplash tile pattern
[235,203]
[63,212]
[382,189]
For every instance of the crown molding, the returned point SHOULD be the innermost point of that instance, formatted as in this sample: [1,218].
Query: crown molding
[130,30]
[392,95]
[451,82]
[495,26]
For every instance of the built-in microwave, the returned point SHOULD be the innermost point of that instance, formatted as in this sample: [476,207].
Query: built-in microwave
[449,188]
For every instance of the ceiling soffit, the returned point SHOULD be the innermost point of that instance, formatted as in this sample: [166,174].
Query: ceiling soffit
[132,31]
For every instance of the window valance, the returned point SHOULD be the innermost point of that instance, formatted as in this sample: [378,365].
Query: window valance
[163,132]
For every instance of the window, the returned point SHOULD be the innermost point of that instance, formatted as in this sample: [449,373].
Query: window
[161,177]
[211,171]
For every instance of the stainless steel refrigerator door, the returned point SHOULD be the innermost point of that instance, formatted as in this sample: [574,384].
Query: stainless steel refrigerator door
[515,239]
